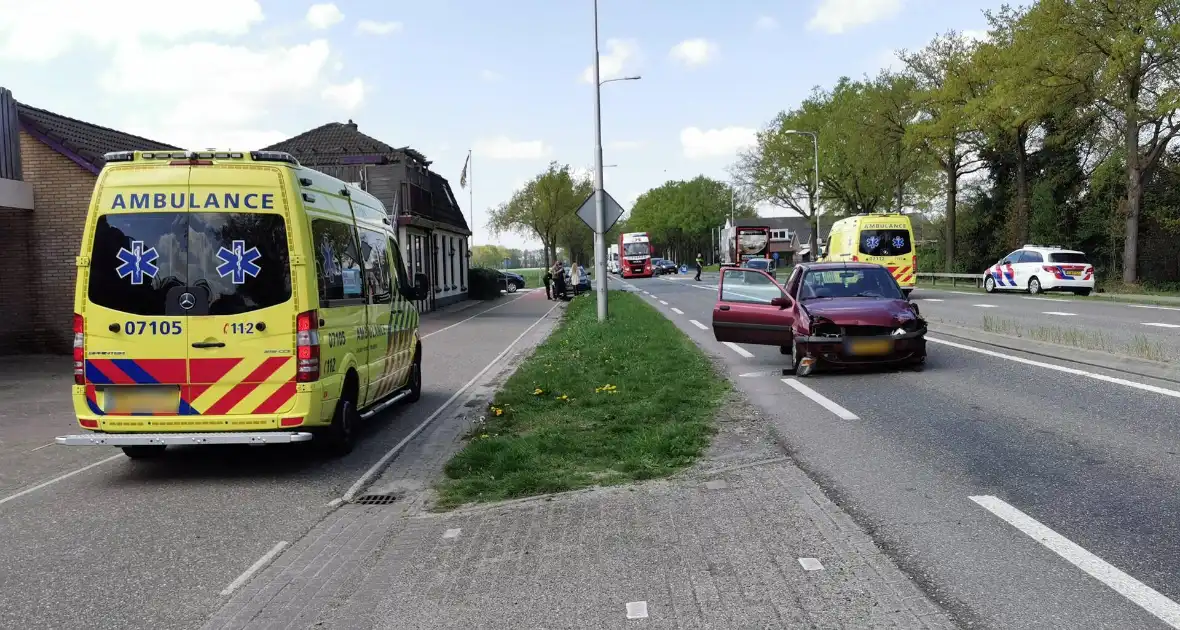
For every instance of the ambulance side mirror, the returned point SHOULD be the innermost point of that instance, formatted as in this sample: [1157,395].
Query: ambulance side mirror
[421,286]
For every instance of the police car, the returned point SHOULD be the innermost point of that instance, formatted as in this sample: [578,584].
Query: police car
[1040,268]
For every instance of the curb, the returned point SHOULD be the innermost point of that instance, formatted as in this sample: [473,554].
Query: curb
[1092,358]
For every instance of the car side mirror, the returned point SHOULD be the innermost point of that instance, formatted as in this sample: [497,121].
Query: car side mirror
[421,286]
[781,302]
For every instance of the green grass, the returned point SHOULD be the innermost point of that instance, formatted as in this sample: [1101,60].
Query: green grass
[596,404]
[1115,293]
[1139,346]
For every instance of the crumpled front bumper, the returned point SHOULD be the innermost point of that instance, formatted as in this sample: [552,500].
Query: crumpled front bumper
[838,350]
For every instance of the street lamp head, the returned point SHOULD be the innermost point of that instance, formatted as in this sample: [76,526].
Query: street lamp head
[633,78]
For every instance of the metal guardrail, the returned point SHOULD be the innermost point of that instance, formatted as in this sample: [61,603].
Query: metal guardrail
[953,277]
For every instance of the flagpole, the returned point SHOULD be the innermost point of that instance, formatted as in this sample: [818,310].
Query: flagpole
[471,196]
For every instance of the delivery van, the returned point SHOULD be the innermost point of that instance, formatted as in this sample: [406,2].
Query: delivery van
[884,239]
[237,298]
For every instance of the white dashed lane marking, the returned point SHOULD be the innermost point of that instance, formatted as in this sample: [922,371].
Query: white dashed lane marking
[698,324]
[1161,325]
[985,305]
[677,311]
[663,302]
[738,349]
[1063,314]
[820,399]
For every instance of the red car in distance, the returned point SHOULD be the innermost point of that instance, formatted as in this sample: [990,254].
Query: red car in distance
[827,314]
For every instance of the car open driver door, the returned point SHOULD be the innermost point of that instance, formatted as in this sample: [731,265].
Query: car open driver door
[752,308]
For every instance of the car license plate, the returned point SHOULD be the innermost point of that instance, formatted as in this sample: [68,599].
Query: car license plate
[132,399]
[869,347]
[1073,272]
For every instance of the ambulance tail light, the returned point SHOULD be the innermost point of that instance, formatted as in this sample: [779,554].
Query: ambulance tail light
[307,347]
[855,258]
[79,350]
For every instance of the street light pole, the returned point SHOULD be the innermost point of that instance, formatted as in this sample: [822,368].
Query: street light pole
[600,272]
[599,201]
[815,198]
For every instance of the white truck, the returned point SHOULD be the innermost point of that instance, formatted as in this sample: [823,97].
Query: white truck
[612,259]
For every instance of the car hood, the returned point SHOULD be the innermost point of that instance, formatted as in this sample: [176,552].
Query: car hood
[859,311]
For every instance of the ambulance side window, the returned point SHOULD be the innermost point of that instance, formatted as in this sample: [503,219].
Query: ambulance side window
[400,280]
[338,264]
[375,247]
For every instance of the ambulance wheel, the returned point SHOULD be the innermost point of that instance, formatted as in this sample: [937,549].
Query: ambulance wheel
[1034,286]
[144,452]
[415,384]
[340,437]
[989,284]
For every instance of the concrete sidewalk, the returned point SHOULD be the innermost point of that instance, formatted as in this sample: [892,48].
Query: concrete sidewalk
[742,540]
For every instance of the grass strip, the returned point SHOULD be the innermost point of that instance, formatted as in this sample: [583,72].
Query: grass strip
[1139,347]
[596,404]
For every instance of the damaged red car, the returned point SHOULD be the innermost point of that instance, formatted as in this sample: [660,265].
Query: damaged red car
[827,315]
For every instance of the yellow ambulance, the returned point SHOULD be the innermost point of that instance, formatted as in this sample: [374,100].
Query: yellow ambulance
[884,239]
[237,298]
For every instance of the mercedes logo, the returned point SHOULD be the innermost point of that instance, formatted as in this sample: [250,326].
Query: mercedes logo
[187,301]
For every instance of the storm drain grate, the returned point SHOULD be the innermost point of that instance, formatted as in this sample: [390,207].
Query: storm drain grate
[375,499]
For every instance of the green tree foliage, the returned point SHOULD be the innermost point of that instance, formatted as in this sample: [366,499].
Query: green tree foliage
[1060,126]
[545,209]
[680,215]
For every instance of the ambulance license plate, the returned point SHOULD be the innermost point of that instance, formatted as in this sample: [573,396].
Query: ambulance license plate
[869,347]
[141,399]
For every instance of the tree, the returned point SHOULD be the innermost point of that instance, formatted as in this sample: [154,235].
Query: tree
[1125,56]
[543,208]
[681,215]
[944,86]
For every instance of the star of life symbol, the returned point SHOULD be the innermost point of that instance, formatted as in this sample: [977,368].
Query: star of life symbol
[238,262]
[137,263]
[872,242]
[898,242]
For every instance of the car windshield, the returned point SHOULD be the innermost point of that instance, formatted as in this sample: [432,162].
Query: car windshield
[758,263]
[1069,258]
[869,282]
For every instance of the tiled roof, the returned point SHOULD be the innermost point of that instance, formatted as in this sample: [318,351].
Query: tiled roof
[446,209]
[331,142]
[83,142]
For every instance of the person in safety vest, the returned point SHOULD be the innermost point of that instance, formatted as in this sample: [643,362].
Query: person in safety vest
[700,263]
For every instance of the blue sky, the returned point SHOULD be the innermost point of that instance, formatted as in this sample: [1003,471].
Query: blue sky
[505,79]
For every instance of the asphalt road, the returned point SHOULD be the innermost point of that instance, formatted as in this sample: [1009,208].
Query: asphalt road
[126,544]
[1106,325]
[1094,459]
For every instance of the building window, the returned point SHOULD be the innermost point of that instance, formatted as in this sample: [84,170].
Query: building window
[434,257]
[451,253]
[463,264]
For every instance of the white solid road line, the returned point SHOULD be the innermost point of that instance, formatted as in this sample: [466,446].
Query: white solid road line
[1161,325]
[1061,368]
[677,311]
[1063,314]
[256,567]
[931,299]
[1146,597]
[663,302]
[698,324]
[738,349]
[459,323]
[985,305]
[376,468]
[1041,299]
[37,487]
[820,399]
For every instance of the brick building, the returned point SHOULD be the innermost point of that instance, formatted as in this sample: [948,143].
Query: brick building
[48,166]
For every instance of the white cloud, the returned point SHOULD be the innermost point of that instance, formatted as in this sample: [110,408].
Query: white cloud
[694,52]
[621,56]
[490,76]
[839,16]
[974,35]
[373,27]
[766,23]
[708,143]
[80,24]
[322,16]
[241,89]
[626,145]
[346,96]
[505,148]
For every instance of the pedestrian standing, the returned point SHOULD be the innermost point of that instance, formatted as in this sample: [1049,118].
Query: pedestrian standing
[558,281]
[700,264]
[548,280]
[575,277]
